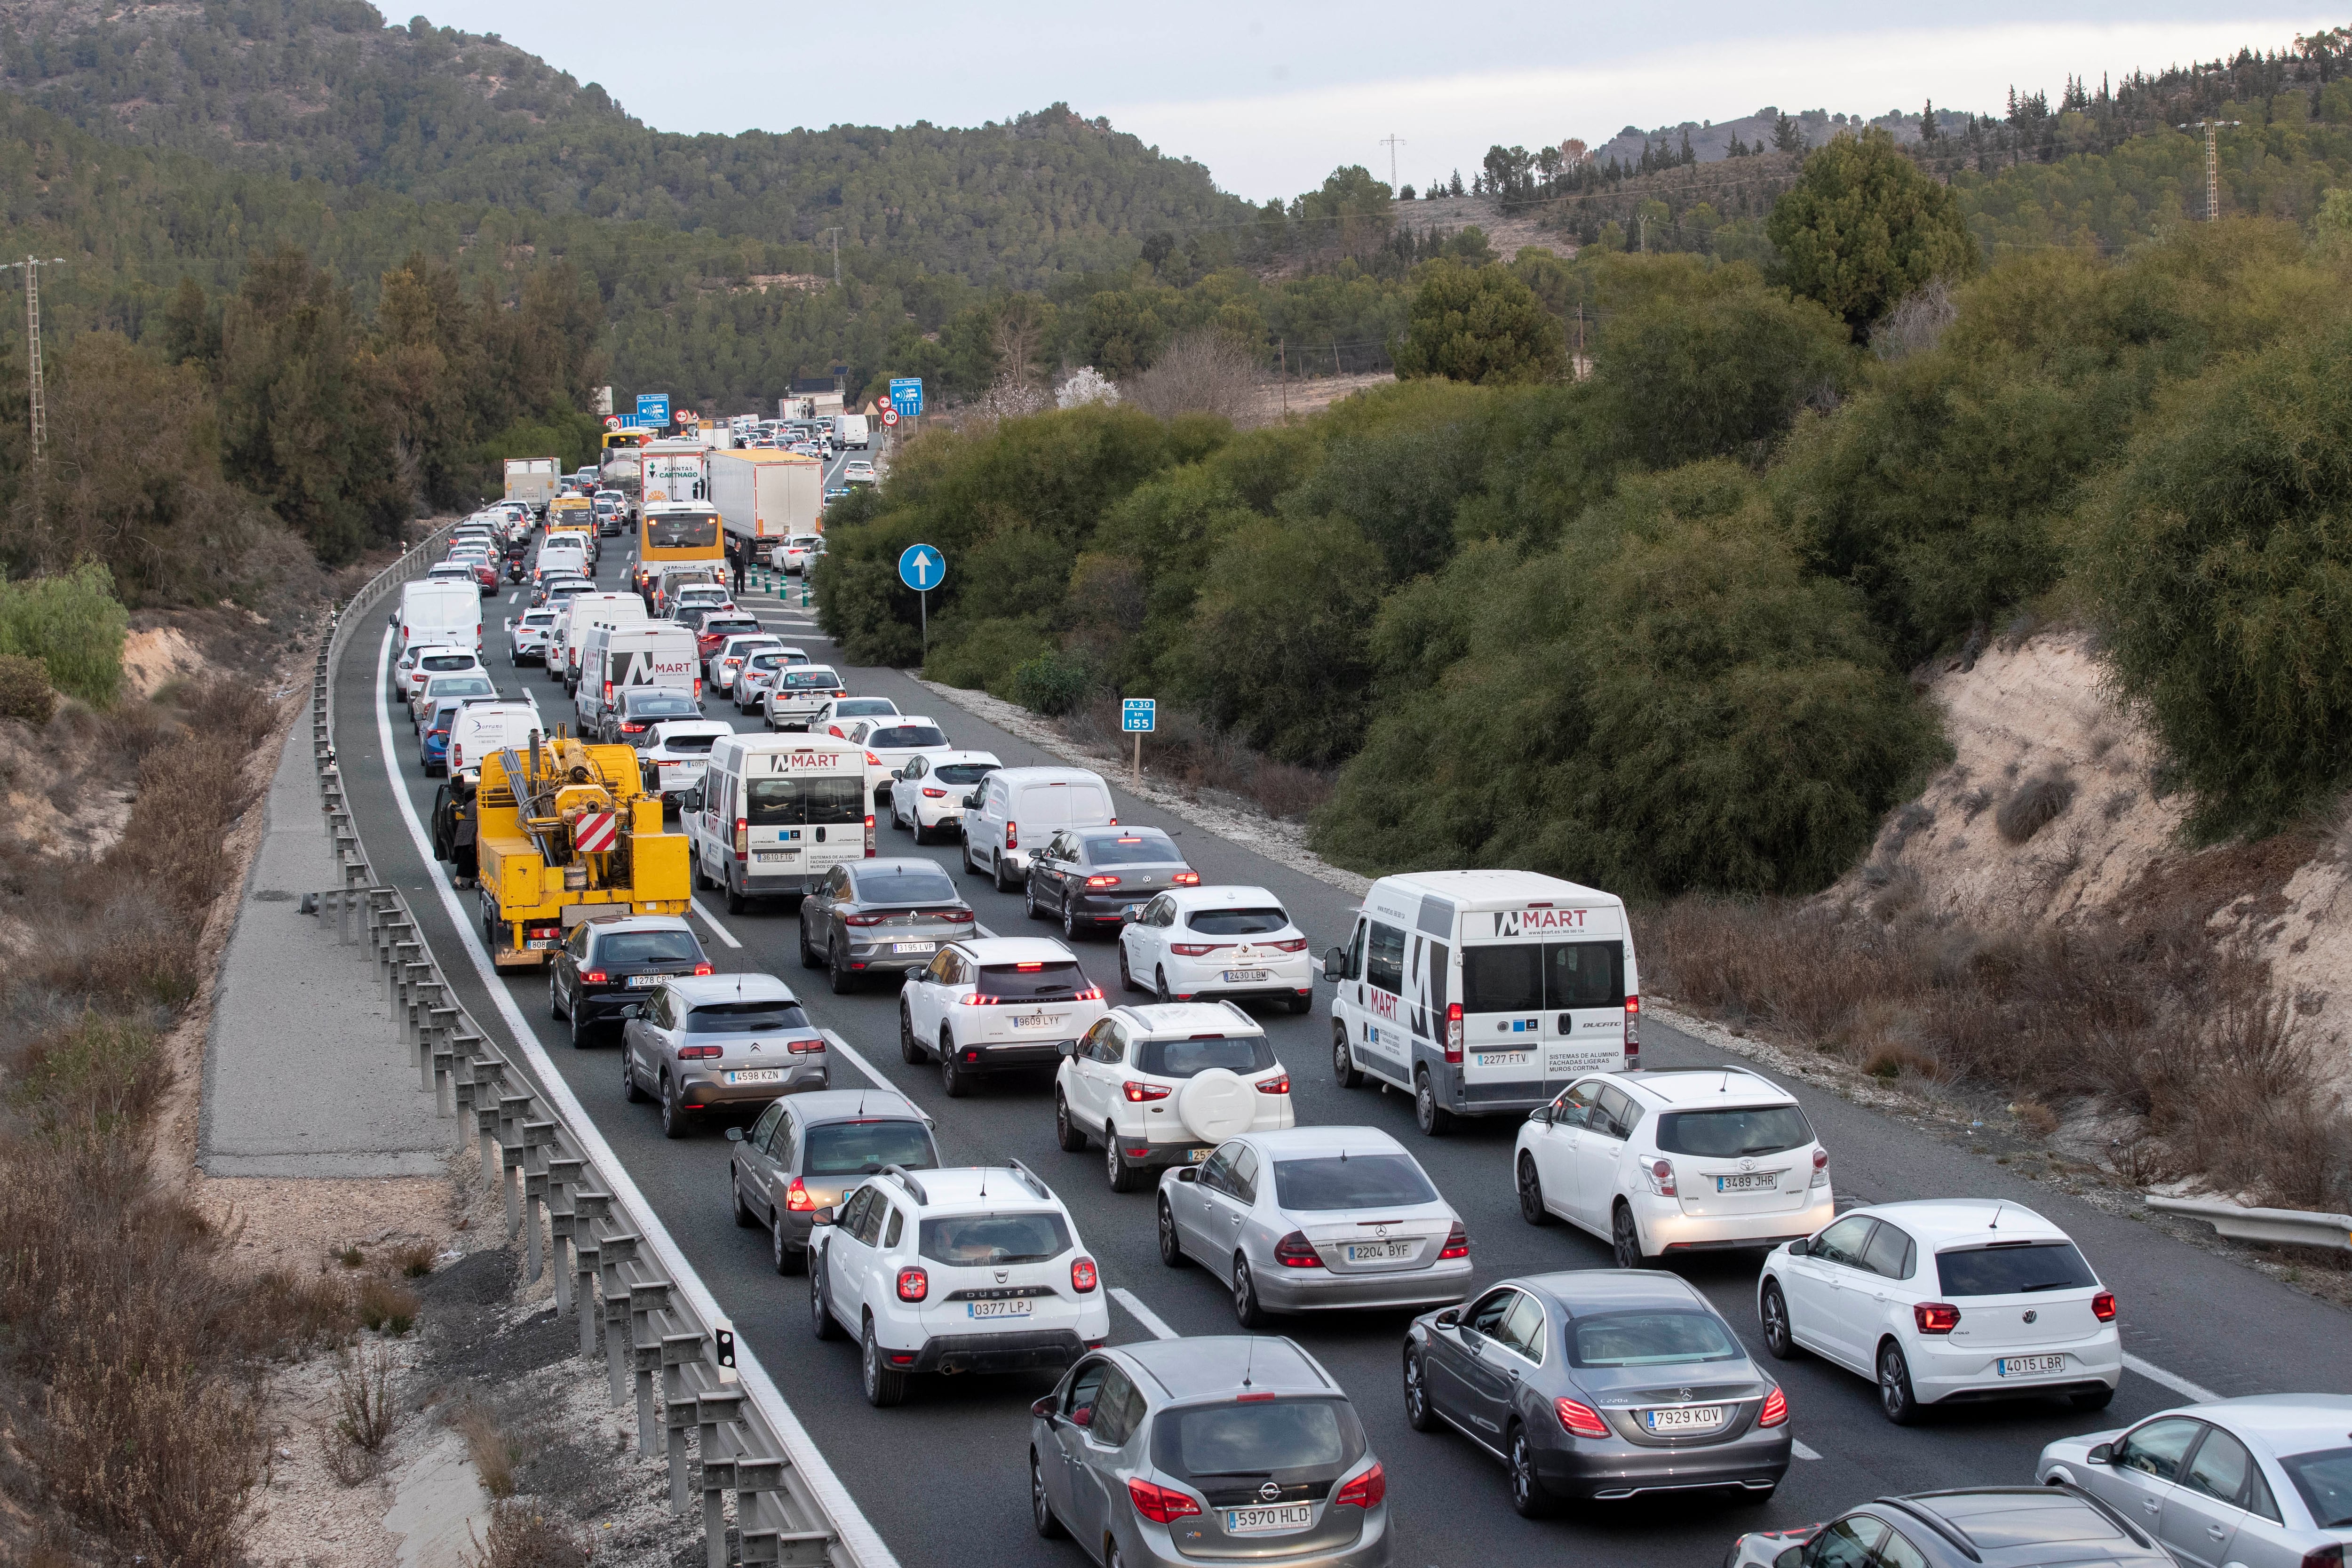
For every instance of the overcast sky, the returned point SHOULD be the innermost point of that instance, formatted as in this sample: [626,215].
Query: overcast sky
[1271,98]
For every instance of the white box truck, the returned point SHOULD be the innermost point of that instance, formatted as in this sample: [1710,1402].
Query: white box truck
[674,471]
[765,497]
[533,481]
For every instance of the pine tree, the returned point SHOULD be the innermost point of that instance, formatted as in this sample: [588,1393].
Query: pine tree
[1787,136]
[1928,129]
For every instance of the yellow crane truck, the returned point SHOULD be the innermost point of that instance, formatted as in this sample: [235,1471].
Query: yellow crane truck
[564,832]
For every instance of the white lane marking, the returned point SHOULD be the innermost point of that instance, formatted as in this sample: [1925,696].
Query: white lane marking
[1801,1450]
[1141,1313]
[2173,1381]
[857,1531]
[721,932]
[834,1042]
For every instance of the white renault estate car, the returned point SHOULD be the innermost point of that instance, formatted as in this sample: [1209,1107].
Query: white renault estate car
[1675,1159]
[976,1270]
[1946,1299]
[1165,1085]
[1216,942]
[996,1003]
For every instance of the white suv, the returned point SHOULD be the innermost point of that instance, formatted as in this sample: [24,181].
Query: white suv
[977,1269]
[526,636]
[992,1003]
[1216,942]
[1944,1299]
[1164,1085]
[1675,1159]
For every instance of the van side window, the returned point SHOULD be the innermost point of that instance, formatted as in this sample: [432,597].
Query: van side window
[1384,963]
[1356,953]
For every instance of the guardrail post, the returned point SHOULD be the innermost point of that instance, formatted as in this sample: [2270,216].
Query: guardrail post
[716,1411]
[538,1137]
[678,1352]
[562,1182]
[644,1301]
[444,1066]
[618,1251]
[512,1108]
[440,1021]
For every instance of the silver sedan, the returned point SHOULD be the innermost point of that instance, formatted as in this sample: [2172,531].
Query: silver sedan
[1315,1218]
[2265,1481]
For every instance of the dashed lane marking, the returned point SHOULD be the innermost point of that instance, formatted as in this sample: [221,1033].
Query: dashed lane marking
[2173,1381]
[719,931]
[1151,1321]
[1801,1450]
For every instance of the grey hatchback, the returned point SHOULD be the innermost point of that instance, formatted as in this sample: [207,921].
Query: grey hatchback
[1170,1451]
[806,1152]
[880,917]
[1600,1384]
[1979,1527]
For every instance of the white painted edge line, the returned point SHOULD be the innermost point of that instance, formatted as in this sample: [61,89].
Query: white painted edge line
[1141,1313]
[717,930]
[2173,1381]
[1801,1450]
[857,1533]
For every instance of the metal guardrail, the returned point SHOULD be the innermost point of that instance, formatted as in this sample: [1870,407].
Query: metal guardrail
[2295,1227]
[572,1218]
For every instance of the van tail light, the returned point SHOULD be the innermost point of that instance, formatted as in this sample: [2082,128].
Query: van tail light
[797,1199]
[1936,1317]
[2103,1306]
[1367,1490]
[1137,1093]
[869,838]
[1012,835]
[595,977]
[913,1284]
[742,838]
[1820,1167]
[1295,1251]
[608,692]
[1662,1177]
[697,689]
[1454,1032]
[1102,881]
[698,1053]
[1161,1505]
[1186,878]
[1457,1243]
[1083,1278]
[1275,1085]
[1775,1411]
[1578,1419]
[1633,1032]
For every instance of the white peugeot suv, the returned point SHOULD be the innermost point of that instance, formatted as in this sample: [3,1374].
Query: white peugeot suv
[976,1270]
[996,1003]
[1675,1159]
[1165,1084]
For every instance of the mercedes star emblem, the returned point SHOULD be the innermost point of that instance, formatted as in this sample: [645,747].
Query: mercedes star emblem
[1270,1491]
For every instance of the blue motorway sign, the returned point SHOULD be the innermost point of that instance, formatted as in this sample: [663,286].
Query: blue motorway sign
[921,568]
[907,395]
[1138,715]
[653,407]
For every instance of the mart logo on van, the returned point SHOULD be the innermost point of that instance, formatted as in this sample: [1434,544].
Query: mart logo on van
[1529,922]
[805,761]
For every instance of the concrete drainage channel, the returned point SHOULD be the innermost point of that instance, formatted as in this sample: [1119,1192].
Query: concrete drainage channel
[711,1412]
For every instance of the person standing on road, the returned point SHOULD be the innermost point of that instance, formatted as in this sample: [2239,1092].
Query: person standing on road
[738,570]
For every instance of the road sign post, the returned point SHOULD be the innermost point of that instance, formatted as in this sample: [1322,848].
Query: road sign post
[1139,716]
[923,568]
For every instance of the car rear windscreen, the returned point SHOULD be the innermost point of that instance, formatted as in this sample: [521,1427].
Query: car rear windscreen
[981,1240]
[899,736]
[729,626]
[447,661]
[852,1148]
[800,679]
[463,686]
[1358,1181]
[769,1015]
[2324,1479]
[2013,1269]
[689,745]
[1229,1440]
[1546,977]
[625,948]
[660,705]
[1026,982]
[963,773]
[1189,1058]
[1236,922]
[864,706]
[1732,1134]
[910,887]
[1132,850]
[791,802]
[1648,1338]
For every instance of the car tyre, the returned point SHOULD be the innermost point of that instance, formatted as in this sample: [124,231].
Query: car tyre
[885,1386]
[996,868]
[1531,1199]
[837,973]
[1434,1119]
[1417,1413]
[952,1078]
[2092,1399]
[968,868]
[808,958]
[554,995]
[1041,1507]
[909,1050]
[1160,992]
[1123,1178]
[821,1321]
[673,1112]
[736,902]
[1126,979]
[1069,920]
[1301,1005]
[1029,898]
[1067,1133]
[1625,1238]
[1772,1307]
[1246,1310]
[1171,1248]
[744,1218]
[786,1258]
[629,1090]
[1895,1399]
[579,1031]
[1527,1496]
[1344,1070]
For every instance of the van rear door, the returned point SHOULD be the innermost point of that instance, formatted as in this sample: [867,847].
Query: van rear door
[1543,998]
[804,813]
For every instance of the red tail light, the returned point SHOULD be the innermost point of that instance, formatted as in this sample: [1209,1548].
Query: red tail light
[1162,1505]
[2328,1556]
[742,838]
[803,1047]
[1820,1167]
[1936,1317]
[1295,1251]
[633,728]
[1298,946]
[1775,1411]
[871,760]
[861,920]
[797,1199]
[953,915]
[608,691]
[1137,1093]
[1192,949]
[702,969]
[595,977]
[1091,993]
[930,794]
[698,1053]
[1662,1178]
[1454,1032]
[1457,1243]
[2103,1306]
[1579,1420]
[1186,878]
[913,1284]
[1367,1490]
[1012,835]
[869,838]
[1275,1085]
[1632,1029]
[1102,881]
[1082,1274]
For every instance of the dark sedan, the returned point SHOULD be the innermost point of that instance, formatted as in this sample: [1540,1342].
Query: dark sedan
[875,917]
[612,960]
[1599,1384]
[1100,876]
[631,720]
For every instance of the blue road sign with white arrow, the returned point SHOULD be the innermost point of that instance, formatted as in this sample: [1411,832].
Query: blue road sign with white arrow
[921,568]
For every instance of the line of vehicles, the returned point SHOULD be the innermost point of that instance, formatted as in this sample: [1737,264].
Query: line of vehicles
[1478,992]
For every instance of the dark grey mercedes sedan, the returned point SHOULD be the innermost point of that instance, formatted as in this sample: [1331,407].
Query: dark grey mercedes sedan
[1598,1385]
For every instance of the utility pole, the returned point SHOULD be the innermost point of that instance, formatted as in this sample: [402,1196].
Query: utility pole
[40,420]
[1393,141]
[1282,352]
[2212,166]
[835,232]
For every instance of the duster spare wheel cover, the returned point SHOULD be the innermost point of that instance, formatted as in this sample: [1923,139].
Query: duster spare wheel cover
[1216,1105]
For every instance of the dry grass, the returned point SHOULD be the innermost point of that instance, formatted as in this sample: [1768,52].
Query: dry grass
[413,1259]
[521,1537]
[367,1414]
[384,1307]
[487,1444]
[2035,805]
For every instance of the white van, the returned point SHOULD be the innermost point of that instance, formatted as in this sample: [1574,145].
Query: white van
[481,727]
[1020,809]
[1484,993]
[614,659]
[562,553]
[583,615]
[774,814]
[448,612]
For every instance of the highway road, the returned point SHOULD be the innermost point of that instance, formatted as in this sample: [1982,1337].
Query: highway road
[943,1477]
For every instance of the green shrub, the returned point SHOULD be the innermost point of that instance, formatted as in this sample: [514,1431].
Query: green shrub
[25,691]
[983,655]
[74,625]
[1053,682]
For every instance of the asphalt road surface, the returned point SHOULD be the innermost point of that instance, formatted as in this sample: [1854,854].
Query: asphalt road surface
[943,1477]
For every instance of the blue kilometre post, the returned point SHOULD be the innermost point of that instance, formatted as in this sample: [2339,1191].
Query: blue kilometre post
[921,567]
[1139,716]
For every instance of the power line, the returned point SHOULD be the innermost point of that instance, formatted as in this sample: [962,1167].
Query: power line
[1393,141]
[40,420]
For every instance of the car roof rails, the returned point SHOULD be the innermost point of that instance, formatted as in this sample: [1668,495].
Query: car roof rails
[1030,1177]
[913,1185]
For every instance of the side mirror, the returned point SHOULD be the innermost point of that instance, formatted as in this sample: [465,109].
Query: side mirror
[1068,1048]
[1541,1113]
[2104,1454]
[1799,1247]
[632,1011]
[1188,1172]
[1450,1318]
[821,1217]
[1335,965]
[972,801]
[1044,1408]
[734,1135]
[691,800]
